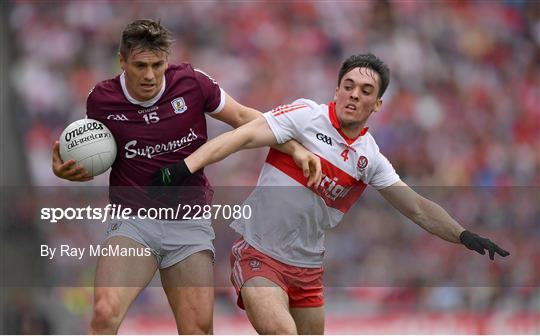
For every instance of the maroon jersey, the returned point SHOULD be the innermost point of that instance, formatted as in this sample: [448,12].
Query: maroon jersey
[150,135]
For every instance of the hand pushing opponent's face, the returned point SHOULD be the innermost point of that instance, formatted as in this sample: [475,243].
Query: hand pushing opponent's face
[144,71]
[356,98]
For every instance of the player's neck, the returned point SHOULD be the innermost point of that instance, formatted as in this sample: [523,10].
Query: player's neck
[352,130]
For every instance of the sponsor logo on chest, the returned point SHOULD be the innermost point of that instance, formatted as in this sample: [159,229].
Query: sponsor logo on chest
[149,151]
[331,188]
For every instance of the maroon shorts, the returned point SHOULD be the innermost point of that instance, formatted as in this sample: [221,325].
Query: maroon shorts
[303,285]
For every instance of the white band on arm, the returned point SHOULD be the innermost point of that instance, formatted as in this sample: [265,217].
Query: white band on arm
[221,102]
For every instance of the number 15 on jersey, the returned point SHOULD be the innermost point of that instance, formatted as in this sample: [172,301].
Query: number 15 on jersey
[151,118]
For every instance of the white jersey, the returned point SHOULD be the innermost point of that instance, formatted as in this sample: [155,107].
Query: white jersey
[288,219]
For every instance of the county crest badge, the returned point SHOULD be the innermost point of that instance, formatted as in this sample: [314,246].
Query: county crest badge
[361,166]
[179,105]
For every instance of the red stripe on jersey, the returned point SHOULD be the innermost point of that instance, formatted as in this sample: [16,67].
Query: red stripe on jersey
[280,108]
[285,110]
[283,107]
[289,109]
[338,189]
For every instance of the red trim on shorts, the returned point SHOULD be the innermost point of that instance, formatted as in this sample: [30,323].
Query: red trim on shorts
[303,285]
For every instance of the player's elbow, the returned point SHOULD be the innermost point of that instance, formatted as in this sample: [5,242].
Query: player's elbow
[244,116]
[247,115]
[417,216]
[416,212]
[236,122]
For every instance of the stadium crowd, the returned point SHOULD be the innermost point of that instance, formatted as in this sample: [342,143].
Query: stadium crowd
[460,121]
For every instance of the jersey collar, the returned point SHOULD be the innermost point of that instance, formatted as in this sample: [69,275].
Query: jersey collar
[335,123]
[132,100]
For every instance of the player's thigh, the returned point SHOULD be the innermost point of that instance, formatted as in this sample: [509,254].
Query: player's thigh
[189,288]
[124,271]
[267,306]
[119,279]
[309,320]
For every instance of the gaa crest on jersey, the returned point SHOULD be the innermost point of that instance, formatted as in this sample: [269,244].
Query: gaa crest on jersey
[361,165]
[179,105]
[324,138]
[117,117]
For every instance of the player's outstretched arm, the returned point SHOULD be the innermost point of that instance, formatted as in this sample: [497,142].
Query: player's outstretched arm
[254,134]
[68,170]
[236,115]
[434,219]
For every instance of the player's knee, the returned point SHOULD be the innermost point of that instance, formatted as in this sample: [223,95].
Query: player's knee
[276,328]
[314,328]
[195,322]
[196,327]
[106,317]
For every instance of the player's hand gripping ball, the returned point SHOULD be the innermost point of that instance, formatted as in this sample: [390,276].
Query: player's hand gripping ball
[90,143]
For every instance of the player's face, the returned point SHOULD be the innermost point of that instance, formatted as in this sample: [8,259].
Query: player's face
[356,98]
[144,71]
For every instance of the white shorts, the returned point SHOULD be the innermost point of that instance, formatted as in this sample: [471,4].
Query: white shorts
[170,241]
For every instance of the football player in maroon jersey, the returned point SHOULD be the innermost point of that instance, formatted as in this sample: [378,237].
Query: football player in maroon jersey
[156,113]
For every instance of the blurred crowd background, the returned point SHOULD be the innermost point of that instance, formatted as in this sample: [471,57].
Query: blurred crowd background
[460,121]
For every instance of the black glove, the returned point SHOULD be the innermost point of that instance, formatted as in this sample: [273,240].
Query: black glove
[476,243]
[171,175]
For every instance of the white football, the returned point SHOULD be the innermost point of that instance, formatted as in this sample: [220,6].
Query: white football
[90,143]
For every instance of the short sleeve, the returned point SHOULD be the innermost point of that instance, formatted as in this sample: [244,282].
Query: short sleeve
[288,121]
[385,175]
[213,95]
[91,107]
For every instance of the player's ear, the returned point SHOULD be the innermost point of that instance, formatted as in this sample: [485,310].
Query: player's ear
[122,61]
[335,93]
[378,105]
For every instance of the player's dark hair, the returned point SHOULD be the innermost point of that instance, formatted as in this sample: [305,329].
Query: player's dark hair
[369,61]
[145,35]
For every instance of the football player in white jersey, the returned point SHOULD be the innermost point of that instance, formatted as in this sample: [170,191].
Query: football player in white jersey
[277,264]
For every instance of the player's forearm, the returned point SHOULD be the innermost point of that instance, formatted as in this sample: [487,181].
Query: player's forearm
[254,134]
[216,150]
[289,147]
[434,219]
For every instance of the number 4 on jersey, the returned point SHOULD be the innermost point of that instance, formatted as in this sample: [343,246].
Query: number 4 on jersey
[345,154]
